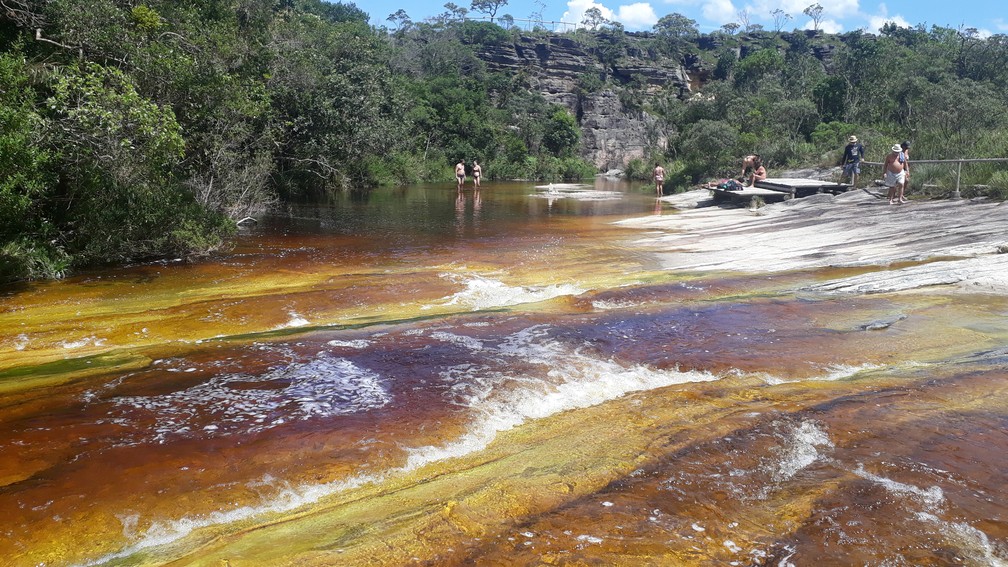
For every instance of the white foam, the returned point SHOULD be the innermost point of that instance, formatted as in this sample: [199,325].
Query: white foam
[585,195]
[932,496]
[356,344]
[324,386]
[801,449]
[574,379]
[473,344]
[296,320]
[485,293]
[70,345]
[974,542]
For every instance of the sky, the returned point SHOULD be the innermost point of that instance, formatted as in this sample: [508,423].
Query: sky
[988,17]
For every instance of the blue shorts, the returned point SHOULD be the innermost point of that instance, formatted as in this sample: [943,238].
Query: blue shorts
[853,167]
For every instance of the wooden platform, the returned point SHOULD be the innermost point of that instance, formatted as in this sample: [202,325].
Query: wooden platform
[802,187]
[746,195]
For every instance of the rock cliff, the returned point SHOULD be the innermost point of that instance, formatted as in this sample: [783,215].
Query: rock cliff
[563,68]
[560,67]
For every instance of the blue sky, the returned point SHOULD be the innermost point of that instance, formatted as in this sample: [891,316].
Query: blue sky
[987,16]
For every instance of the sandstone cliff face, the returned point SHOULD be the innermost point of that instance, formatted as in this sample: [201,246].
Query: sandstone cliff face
[612,135]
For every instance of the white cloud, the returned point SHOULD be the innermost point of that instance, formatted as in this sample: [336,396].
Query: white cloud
[875,23]
[576,10]
[637,16]
[722,11]
[831,26]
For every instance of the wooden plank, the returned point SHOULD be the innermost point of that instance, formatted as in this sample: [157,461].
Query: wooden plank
[746,194]
[803,187]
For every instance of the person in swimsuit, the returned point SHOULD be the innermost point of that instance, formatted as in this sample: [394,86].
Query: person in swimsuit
[460,174]
[477,172]
[659,178]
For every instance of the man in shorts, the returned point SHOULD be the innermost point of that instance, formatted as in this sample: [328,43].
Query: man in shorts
[460,174]
[853,152]
[895,174]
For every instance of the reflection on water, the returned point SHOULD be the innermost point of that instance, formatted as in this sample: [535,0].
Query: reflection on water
[426,376]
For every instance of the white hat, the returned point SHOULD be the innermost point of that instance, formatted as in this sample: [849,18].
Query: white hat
[897,148]
[852,139]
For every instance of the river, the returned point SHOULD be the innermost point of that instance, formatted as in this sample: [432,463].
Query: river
[415,376]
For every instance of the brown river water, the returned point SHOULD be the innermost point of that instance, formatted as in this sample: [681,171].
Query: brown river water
[417,377]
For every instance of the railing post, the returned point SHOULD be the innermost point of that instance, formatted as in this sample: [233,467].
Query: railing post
[956,195]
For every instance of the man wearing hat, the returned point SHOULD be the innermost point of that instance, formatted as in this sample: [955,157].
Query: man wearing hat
[896,171]
[853,152]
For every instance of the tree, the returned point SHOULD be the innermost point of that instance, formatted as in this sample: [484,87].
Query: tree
[730,28]
[814,11]
[593,18]
[676,32]
[562,133]
[780,17]
[401,20]
[455,12]
[488,7]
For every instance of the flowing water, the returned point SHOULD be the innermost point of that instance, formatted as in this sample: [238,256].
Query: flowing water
[419,377]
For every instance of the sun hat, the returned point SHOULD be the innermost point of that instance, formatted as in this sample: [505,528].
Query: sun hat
[852,139]
[897,148]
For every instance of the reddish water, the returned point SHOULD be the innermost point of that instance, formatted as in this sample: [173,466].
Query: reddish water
[418,378]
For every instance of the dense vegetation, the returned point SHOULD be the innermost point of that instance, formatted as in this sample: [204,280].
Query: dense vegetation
[131,131]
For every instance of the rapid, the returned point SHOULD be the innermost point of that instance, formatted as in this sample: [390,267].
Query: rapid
[417,376]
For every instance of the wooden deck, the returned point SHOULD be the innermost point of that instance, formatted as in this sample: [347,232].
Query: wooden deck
[802,187]
[780,189]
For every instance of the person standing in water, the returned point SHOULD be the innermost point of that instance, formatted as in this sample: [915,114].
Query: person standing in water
[659,178]
[477,173]
[460,173]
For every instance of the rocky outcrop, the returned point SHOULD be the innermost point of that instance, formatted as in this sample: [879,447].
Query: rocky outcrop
[557,66]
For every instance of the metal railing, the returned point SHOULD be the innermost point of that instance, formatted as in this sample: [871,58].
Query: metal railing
[958,162]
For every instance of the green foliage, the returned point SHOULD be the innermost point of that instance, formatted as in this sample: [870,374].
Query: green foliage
[562,134]
[762,65]
[482,33]
[146,18]
[138,130]
[708,147]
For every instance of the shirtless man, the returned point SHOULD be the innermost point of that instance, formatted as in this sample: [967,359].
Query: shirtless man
[748,162]
[659,178]
[477,172]
[896,172]
[460,173]
[759,172]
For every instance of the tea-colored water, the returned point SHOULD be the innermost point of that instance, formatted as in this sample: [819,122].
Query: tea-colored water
[422,377]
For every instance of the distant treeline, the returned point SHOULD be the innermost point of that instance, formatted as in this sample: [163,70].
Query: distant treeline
[133,131]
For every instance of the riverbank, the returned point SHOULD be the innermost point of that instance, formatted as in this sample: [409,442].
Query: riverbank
[956,243]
